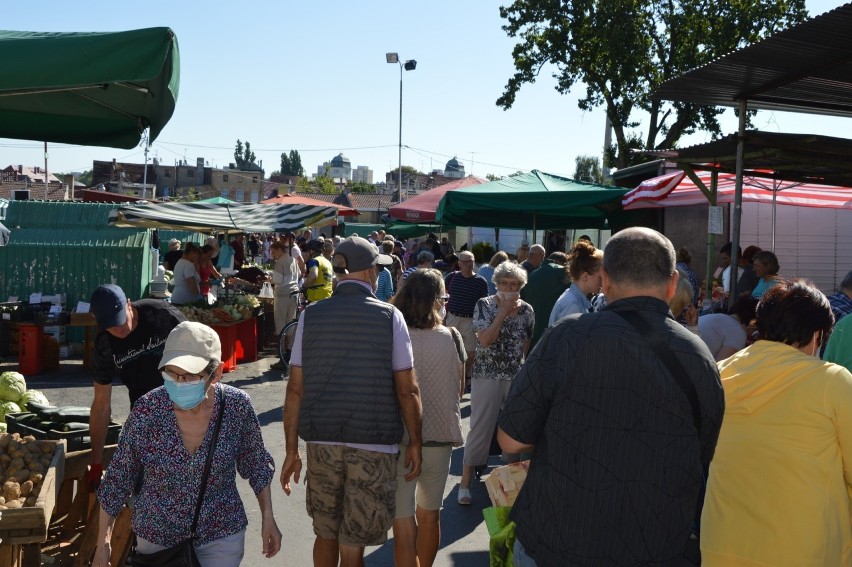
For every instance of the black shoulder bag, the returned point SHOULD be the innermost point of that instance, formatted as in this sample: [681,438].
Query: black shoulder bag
[183,554]
[668,358]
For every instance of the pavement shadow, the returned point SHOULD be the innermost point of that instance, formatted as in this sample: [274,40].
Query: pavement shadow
[273,415]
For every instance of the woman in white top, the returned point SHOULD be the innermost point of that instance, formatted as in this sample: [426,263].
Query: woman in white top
[585,270]
[439,364]
[186,277]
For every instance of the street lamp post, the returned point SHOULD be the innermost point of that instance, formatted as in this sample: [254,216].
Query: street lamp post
[409,65]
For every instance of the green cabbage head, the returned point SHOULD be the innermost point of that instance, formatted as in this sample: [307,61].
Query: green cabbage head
[12,386]
[9,407]
[34,396]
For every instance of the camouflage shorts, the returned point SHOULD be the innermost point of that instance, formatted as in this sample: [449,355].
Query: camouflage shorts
[350,493]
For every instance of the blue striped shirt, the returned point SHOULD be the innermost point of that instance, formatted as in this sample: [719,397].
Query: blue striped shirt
[464,293]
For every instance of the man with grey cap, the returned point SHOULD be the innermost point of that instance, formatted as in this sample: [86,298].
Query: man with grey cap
[128,346]
[348,396]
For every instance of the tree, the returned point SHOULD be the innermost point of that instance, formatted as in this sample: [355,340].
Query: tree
[285,164]
[492,177]
[243,156]
[588,168]
[362,187]
[296,163]
[621,51]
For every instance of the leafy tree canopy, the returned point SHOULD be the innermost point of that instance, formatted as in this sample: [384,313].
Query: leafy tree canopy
[291,164]
[588,168]
[362,187]
[621,51]
[243,155]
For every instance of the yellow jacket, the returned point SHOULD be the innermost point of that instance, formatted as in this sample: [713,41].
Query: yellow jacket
[779,488]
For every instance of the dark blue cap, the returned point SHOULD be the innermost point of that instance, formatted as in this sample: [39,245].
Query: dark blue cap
[108,305]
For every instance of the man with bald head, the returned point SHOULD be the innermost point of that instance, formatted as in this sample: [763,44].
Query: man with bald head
[348,396]
[620,409]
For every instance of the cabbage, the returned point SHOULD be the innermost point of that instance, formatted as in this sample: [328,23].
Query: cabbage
[12,386]
[34,396]
[9,407]
[2,427]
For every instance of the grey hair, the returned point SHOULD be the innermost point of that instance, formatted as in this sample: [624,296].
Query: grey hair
[211,367]
[847,281]
[639,257]
[537,248]
[425,256]
[509,270]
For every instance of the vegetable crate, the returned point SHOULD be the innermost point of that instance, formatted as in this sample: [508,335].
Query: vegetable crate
[29,524]
[76,440]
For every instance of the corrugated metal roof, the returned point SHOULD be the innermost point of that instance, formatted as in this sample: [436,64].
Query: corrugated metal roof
[58,214]
[806,68]
[108,237]
[797,157]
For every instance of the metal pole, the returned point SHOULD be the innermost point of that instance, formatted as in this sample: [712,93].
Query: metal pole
[738,206]
[399,171]
[45,172]
[145,169]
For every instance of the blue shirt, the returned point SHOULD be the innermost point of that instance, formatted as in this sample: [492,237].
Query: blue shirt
[841,305]
[384,288]
[571,301]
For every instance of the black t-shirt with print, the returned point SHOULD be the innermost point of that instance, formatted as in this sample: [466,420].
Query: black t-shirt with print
[135,359]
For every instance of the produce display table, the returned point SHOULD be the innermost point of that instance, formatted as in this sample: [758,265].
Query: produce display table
[239,342]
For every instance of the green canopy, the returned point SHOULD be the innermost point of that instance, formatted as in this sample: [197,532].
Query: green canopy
[217,200]
[533,200]
[402,229]
[87,88]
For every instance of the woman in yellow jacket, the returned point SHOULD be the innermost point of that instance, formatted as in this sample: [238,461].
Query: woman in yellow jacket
[781,479]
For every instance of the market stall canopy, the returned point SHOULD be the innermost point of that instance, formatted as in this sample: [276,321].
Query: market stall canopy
[223,217]
[217,200]
[534,200]
[677,190]
[792,157]
[4,235]
[296,199]
[421,208]
[806,68]
[88,88]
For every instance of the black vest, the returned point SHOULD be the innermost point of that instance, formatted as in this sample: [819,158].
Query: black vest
[347,349]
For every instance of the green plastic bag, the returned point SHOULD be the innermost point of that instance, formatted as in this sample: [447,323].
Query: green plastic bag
[501,531]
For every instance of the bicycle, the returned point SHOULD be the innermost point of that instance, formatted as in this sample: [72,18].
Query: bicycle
[287,334]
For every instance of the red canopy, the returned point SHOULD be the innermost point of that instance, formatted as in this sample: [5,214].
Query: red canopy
[677,189]
[296,199]
[421,208]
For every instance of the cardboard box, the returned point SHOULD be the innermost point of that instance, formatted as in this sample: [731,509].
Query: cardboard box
[55,331]
[504,483]
[64,351]
[83,319]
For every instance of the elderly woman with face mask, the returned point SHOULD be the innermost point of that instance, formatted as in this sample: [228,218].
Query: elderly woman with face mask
[163,450]
[503,323]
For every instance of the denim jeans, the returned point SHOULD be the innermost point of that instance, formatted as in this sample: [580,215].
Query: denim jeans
[520,557]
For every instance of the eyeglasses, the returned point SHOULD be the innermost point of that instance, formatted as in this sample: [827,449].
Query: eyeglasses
[184,378]
[444,298]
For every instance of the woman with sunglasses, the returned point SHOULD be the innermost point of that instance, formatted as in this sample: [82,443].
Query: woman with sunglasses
[439,363]
[162,452]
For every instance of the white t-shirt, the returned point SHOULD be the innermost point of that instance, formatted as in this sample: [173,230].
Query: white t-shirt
[721,330]
[183,270]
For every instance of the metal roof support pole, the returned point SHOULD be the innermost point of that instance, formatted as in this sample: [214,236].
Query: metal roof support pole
[711,239]
[738,205]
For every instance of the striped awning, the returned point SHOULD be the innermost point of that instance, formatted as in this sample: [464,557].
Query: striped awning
[223,216]
[677,189]
[4,205]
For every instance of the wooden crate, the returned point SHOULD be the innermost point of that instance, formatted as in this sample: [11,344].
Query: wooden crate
[29,525]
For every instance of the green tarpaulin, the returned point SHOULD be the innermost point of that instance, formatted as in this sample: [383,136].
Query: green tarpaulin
[87,88]
[534,200]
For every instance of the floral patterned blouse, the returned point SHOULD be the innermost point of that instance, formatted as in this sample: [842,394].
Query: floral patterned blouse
[502,359]
[151,450]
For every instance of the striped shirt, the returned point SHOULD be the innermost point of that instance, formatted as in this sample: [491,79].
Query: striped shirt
[841,305]
[464,293]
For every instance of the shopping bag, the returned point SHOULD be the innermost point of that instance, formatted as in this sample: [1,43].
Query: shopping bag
[501,532]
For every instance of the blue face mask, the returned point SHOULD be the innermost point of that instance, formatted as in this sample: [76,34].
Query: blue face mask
[185,396]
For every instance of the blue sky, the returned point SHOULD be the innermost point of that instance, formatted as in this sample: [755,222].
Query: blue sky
[312,76]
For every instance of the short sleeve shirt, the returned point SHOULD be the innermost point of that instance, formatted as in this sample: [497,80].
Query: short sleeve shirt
[464,293]
[502,359]
[135,359]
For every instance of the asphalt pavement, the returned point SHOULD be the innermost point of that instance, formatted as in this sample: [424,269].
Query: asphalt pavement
[464,538]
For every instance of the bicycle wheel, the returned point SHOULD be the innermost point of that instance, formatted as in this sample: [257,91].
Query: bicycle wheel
[285,341]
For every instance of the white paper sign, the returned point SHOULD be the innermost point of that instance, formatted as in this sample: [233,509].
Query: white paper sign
[35,298]
[82,307]
[55,309]
[715,220]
